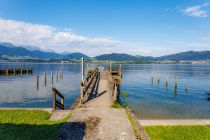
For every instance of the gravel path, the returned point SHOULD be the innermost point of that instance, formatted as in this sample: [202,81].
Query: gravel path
[97,120]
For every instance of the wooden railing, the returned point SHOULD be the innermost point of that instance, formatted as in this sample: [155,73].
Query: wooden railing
[113,86]
[85,85]
[56,103]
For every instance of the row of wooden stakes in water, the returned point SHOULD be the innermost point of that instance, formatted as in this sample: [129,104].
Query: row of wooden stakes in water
[175,82]
[45,78]
[20,71]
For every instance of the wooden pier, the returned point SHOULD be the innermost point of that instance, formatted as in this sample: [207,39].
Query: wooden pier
[93,116]
[15,71]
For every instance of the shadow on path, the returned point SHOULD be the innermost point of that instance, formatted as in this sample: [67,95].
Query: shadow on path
[94,90]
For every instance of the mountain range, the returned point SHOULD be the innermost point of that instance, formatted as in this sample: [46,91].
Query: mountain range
[8,51]
[11,50]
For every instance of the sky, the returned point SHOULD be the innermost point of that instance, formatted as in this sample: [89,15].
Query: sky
[94,27]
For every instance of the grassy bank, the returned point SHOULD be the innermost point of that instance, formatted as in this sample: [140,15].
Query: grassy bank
[28,124]
[178,132]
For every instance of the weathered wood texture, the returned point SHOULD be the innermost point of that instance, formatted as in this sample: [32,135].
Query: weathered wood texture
[57,103]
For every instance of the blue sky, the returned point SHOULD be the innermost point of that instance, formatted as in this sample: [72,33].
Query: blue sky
[138,27]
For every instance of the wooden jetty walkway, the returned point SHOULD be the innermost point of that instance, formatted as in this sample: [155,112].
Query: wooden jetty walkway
[15,71]
[92,117]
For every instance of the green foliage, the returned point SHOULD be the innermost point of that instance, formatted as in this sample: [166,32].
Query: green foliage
[125,94]
[117,105]
[135,127]
[178,132]
[28,124]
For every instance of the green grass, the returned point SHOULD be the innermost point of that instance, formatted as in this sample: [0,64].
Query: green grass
[28,125]
[117,105]
[178,132]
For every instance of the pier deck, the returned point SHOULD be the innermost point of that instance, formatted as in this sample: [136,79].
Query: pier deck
[96,119]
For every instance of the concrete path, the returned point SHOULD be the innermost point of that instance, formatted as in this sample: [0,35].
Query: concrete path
[97,120]
[175,122]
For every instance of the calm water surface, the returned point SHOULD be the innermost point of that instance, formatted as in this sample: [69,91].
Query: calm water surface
[148,99]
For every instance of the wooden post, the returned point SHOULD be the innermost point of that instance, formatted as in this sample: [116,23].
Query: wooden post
[27,71]
[158,79]
[54,99]
[120,70]
[115,92]
[110,67]
[175,86]
[57,76]
[81,92]
[21,71]
[152,79]
[82,69]
[45,79]
[175,81]
[186,88]
[61,74]
[52,77]
[7,71]
[167,81]
[37,82]
[14,72]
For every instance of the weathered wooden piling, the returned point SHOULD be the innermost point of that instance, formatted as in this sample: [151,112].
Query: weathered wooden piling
[82,90]
[37,82]
[52,78]
[57,76]
[175,82]
[14,72]
[166,81]
[152,78]
[115,92]
[45,79]
[110,67]
[158,79]
[186,88]
[175,85]
[21,71]
[120,70]
[7,72]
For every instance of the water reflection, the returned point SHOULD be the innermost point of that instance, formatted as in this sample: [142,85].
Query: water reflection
[175,103]
[33,90]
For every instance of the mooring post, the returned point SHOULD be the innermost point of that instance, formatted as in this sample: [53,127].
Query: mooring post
[7,71]
[110,67]
[37,82]
[14,72]
[82,69]
[175,81]
[115,92]
[152,79]
[21,71]
[82,82]
[45,79]
[81,92]
[52,78]
[186,88]
[158,79]
[120,70]
[27,71]
[61,74]
[57,76]
[166,81]
[54,99]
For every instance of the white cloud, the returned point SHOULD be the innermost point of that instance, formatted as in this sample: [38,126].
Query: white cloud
[196,11]
[48,38]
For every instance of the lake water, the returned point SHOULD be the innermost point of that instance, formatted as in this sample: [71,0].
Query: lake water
[148,99]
